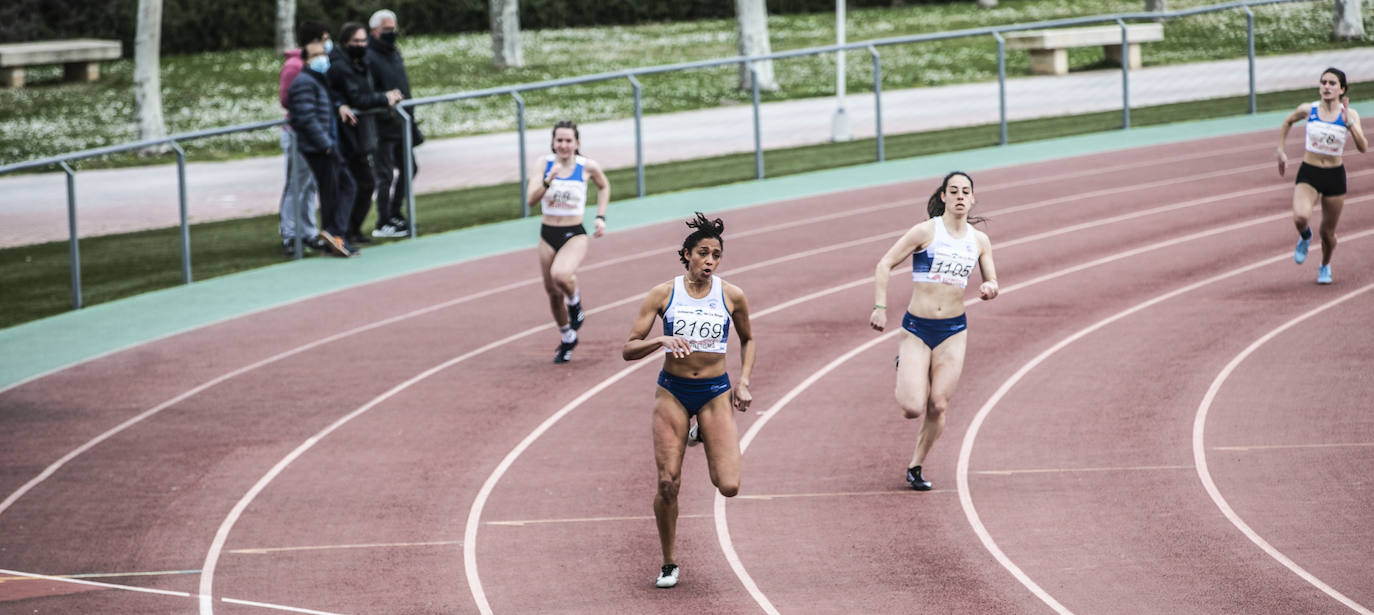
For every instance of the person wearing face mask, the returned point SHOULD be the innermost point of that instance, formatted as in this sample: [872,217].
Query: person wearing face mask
[361,103]
[388,71]
[298,195]
[313,111]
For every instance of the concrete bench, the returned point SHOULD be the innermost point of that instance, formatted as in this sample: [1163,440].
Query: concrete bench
[1049,48]
[81,57]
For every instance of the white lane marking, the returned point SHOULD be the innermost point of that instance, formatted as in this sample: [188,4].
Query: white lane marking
[372,545]
[1205,474]
[73,581]
[722,527]
[966,448]
[833,494]
[276,607]
[1073,470]
[1265,447]
[105,575]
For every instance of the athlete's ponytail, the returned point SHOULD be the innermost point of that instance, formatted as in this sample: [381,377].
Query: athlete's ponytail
[702,228]
[936,205]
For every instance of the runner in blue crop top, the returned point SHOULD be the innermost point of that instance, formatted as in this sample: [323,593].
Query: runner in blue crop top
[1330,121]
[693,382]
[944,251]
[559,186]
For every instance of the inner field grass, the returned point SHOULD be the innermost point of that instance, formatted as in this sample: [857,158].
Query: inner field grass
[35,280]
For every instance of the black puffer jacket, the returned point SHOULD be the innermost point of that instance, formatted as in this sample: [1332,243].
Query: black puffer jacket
[388,70]
[312,113]
[352,85]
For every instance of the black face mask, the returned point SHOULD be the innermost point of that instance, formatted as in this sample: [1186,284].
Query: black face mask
[356,52]
[388,37]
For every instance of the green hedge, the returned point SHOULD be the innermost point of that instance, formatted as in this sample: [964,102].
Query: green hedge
[190,26]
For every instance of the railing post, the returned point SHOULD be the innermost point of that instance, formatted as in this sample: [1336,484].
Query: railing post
[758,133]
[1001,88]
[524,179]
[300,213]
[185,223]
[73,250]
[407,160]
[639,137]
[878,100]
[1250,52]
[1125,77]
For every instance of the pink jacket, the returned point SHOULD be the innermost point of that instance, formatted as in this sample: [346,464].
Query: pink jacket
[289,70]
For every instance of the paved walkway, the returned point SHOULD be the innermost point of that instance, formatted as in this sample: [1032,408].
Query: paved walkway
[121,200]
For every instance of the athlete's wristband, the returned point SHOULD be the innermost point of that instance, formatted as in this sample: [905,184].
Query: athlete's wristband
[547,183]
[878,306]
[601,218]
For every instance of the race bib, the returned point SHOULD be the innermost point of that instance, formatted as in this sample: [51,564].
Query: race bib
[705,329]
[952,267]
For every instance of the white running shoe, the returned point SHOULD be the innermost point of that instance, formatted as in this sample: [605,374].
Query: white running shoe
[694,435]
[667,577]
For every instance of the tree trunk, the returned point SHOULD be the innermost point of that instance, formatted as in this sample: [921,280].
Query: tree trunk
[505,34]
[286,25]
[1349,22]
[752,17]
[147,83]
[1156,6]
[987,4]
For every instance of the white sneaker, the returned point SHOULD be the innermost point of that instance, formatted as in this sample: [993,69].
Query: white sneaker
[694,435]
[667,577]
[388,231]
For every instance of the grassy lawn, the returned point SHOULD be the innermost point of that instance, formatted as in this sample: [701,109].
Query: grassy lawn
[37,283]
[207,90]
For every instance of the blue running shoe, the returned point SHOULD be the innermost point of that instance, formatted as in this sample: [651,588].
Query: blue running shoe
[1300,252]
[1324,274]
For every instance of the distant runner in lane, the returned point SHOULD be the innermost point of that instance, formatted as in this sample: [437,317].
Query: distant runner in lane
[559,185]
[1322,174]
[697,310]
[943,251]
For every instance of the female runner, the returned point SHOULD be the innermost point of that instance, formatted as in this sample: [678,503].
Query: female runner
[943,251]
[559,185]
[697,310]
[1322,173]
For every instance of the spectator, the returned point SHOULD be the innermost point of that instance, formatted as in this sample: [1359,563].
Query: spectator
[388,72]
[351,83]
[312,117]
[298,195]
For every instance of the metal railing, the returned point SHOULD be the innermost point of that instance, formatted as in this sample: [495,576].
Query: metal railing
[405,109]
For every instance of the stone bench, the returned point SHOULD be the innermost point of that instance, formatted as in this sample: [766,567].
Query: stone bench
[1049,48]
[81,57]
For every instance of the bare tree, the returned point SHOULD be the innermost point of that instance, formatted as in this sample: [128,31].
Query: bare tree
[1349,22]
[505,34]
[987,4]
[1156,6]
[286,25]
[752,17]
[147,63]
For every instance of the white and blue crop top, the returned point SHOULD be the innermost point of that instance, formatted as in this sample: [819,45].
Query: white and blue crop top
[1326,138]
[566,196]
[704,322]
[947,259]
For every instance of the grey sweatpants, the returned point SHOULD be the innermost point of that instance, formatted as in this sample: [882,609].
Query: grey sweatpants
[298,196]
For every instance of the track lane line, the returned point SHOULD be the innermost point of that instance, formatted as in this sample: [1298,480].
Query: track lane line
[1205,474]
[966,447]
[722,524]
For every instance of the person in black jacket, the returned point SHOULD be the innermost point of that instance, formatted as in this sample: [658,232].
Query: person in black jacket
[312,118]
[351,83]
[388,72]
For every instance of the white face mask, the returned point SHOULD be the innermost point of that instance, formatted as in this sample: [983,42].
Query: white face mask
[328,47]
[320,64]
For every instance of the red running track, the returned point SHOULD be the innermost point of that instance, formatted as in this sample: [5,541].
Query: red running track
[407,447]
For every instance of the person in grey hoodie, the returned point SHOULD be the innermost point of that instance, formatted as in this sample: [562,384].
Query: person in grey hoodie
[313,111]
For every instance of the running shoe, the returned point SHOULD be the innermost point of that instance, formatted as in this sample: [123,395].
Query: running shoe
[914,478]
[1300,252]
[667,577]
[694,435]
[1324,274]
[564,353]
[575,316]
[389,230]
